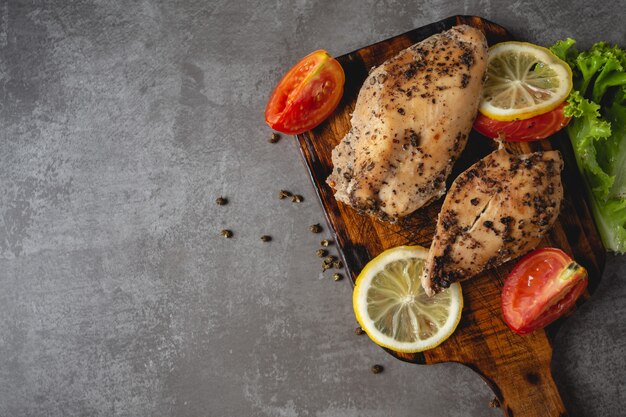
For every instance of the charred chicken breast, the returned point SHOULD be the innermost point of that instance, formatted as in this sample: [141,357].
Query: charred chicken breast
[411,122]
[497,210]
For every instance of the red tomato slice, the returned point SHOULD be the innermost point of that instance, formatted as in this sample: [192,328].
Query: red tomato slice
[541,288]
[306,95]
[535,128]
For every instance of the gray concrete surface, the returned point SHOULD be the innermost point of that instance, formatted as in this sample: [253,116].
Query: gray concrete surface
[120,123]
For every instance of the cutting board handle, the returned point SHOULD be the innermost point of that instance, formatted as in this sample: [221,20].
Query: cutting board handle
[532,393]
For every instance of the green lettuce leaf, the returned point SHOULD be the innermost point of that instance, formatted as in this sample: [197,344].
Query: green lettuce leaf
[614,150]
[610,219]
[585,130]
[597,132]
[564,50]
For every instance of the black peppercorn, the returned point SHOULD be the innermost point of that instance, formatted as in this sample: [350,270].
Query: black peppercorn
[283,194]
[337,277]
[226,233]
[274,138]
[315,228]
[329,260]
[377,369]
[321,253]
[325,242]
[266,238]
[495,403]
[297,199]
[221,201]
[359,331]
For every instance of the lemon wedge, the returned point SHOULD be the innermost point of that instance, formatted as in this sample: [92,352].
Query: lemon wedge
[393,309]
[523,80]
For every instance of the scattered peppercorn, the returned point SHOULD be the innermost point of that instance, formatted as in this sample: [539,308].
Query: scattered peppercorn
[221,201]
[337,264]
[495,403]
[274,138]
[325,266]
[377,369]
[266,238]
[325,243]
[330,260]
[359,331]
[226,233]
[321,253]
[297,199]
[337,277]
[282,194]
[315,228]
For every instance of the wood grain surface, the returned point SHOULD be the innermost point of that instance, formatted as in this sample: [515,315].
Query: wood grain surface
[516,367]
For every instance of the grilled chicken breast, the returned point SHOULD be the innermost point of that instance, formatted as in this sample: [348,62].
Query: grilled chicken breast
[498,209]
[410,124]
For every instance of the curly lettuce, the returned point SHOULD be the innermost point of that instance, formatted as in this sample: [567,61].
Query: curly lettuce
[597,131]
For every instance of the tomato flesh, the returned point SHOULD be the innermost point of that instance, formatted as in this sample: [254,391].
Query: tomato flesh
[306,95]
[535,128]
[543,286]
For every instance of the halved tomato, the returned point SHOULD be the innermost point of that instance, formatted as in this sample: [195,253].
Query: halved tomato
[543,286]
[535,128]
[306,95]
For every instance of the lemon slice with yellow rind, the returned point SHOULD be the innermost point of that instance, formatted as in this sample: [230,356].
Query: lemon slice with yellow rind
[523,80]
[393,309]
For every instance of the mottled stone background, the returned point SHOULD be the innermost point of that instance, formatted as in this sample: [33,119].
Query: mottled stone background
[120,123]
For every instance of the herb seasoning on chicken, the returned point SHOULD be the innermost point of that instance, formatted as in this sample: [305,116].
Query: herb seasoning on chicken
[513,202]
[411,122]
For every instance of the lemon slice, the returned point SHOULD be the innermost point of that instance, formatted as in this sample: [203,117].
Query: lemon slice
[523,81]
[393,309]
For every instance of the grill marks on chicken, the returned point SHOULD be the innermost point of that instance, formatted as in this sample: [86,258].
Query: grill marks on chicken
[497,210]
[411,122]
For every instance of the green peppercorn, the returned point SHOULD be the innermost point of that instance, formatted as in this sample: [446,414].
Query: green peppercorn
[377,369]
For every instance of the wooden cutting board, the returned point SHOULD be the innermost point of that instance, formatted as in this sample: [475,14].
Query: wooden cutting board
[517,368]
